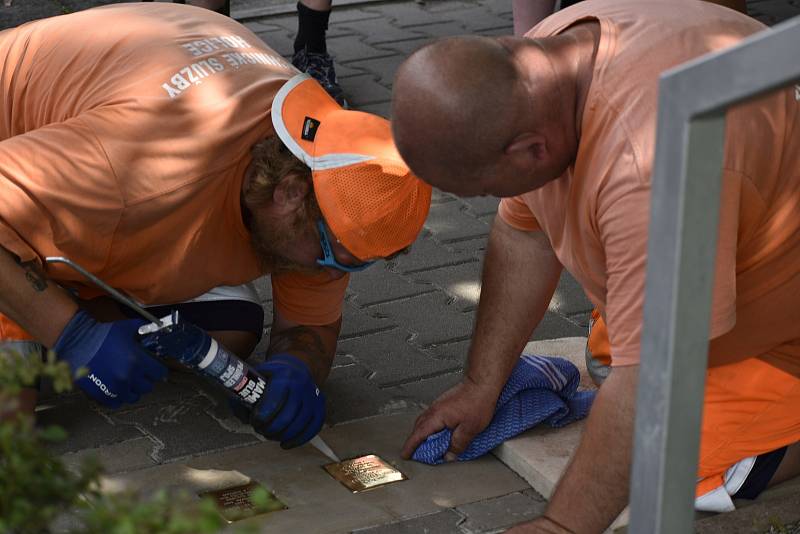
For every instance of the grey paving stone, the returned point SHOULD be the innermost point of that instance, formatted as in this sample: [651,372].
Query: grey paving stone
[501,512]
[179,385]
[447,8]
[346,71]
[24,11]
[772,12]
[403,14]
[384,109]
[405,48]
[352,395]
[437,30]
[358,322]
[424,392]
[569,297]
[431,317]
[280,40]
[70,6]
[442,522]
[481,206]
[581,319]
[440,197]
[498,7]
[117,457]
[87,428]
[450,222]
[262,26]
[460,282]
[474,247]
[352,48]
[554,326]
[428,254]
[379,284]
[454,350]
[382,68]
[288,21]
[182,429]
[363,90]
[379,30]
[351,15]
[478,19]
[392,360]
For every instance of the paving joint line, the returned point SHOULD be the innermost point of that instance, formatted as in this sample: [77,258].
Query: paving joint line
[419,378]
[368,332]
[354,299]
[443,266]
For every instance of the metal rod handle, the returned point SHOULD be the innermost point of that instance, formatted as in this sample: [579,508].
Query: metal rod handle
[122,299]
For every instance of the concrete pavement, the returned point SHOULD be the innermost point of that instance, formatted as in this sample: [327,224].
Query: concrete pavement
[406,325]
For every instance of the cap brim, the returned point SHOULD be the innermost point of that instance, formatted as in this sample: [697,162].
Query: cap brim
[340,145]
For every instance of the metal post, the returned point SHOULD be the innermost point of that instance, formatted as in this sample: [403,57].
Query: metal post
[680,266]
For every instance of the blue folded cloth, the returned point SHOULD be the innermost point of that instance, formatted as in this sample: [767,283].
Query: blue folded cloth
[540,389]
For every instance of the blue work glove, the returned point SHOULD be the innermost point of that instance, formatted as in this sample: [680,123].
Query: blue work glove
[293,408]
[120,370]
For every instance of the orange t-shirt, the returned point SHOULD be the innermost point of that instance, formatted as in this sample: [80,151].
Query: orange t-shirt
[596,215]
[125,132]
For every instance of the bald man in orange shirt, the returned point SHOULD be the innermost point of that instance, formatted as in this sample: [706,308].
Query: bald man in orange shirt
[562,125]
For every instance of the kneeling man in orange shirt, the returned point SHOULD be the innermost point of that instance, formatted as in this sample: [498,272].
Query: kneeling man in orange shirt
[562,125]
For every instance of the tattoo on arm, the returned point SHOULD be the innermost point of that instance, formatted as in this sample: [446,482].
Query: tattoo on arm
[35,276]
[297,338]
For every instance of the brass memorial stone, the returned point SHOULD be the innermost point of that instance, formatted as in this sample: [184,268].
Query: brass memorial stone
[237,503]
[364,472]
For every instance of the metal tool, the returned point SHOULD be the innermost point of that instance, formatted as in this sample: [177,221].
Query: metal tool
[119,297]
[322,447]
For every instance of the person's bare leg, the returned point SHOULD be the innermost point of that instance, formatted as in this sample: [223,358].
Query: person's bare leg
[789,466]
[528,13]
[317,5]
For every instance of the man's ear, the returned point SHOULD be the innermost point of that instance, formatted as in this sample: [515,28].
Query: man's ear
[290,194]
[528,150]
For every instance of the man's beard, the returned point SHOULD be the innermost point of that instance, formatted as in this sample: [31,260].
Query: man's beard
[270,237]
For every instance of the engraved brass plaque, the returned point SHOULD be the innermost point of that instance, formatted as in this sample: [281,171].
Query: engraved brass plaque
[237,502]
[364,473]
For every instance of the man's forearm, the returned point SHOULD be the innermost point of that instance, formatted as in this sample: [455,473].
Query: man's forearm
[520,274]
[28,298]
[594,489]
[315,345]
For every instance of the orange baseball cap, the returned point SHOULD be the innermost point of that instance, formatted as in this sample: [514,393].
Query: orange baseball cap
[367,194]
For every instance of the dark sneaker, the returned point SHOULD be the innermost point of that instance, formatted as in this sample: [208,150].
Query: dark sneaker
[320,67]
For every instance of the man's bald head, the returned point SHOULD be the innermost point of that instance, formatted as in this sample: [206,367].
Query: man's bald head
[454,107]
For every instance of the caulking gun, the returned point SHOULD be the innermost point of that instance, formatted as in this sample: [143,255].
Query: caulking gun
[210,359]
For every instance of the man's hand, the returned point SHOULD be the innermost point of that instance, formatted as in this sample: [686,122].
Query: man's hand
[119,369]
[293,408]
[520,273]
[466,409]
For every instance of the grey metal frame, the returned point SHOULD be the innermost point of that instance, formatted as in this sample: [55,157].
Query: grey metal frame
[686,186]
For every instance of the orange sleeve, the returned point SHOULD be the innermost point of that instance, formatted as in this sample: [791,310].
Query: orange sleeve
[516,213]
[623,232]
[306,299]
